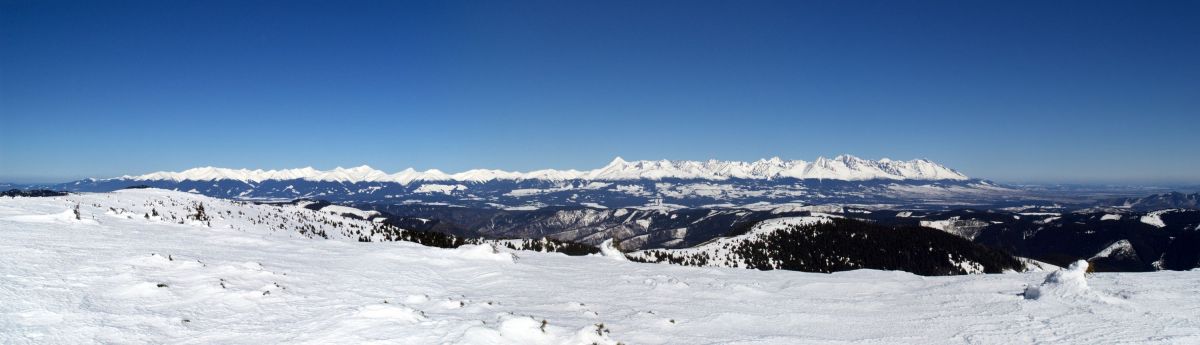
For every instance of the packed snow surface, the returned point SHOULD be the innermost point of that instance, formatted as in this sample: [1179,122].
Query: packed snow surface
[843,167]
[127,277]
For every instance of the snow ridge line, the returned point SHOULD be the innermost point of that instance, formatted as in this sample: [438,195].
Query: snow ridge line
[843,167]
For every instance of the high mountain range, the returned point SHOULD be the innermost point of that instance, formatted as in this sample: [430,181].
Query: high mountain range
[670,184]
[843,167]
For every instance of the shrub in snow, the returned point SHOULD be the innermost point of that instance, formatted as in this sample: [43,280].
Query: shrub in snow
[200,214]
[1070,281]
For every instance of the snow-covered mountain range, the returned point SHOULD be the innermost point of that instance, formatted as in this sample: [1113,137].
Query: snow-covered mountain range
[843,179]
[843,167]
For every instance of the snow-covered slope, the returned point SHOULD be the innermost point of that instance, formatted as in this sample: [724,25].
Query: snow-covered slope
[1120,248]
[160,207]
[967,228]
[844,167]
[718,249]
[1155,218]
[119,275]
[830,243]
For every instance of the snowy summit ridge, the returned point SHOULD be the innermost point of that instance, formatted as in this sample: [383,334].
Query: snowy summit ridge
[843,167]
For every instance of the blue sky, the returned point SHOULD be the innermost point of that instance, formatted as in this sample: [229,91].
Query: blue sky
[1093,91]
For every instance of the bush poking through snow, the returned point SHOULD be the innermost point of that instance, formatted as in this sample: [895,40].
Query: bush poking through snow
[200,215]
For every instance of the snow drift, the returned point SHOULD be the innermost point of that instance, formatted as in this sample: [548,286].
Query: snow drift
[1066,282]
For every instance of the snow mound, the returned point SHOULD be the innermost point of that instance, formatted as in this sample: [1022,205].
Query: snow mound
[1070,281]
[485,252]
[67,216]
[609,251]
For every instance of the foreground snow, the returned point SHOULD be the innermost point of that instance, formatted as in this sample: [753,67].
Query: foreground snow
[114,278]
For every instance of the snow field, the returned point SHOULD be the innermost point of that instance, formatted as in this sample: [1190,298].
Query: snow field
[122,278]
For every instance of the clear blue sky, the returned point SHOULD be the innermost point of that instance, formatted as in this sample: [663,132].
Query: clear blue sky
[1088,91]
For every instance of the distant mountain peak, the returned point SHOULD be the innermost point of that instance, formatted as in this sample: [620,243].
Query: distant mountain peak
[842,167]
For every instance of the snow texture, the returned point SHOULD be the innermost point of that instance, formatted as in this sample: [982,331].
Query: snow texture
[123,275]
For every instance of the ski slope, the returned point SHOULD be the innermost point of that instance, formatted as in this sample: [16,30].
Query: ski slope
[238,278]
